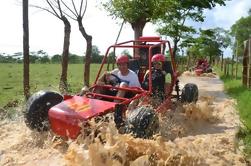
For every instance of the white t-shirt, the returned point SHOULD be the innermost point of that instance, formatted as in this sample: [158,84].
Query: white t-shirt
[131,78]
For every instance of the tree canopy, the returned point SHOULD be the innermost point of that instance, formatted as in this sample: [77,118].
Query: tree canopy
[136,12]
[173,22]
[210,43]
[139,12]
[241,30]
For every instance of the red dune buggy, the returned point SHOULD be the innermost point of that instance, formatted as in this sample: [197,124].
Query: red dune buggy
[202,66]
[66,115]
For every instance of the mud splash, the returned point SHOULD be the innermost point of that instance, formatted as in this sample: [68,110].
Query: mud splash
[192,134]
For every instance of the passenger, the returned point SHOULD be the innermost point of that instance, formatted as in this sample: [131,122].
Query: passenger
[158,77]
[125,76]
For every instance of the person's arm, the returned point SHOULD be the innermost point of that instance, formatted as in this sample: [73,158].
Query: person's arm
[135,80]
[163,72]
[145,80]
[106,76]
[146,74]
[101,80]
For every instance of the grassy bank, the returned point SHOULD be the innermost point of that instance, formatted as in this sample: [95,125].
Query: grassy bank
[242,95]
[42,76]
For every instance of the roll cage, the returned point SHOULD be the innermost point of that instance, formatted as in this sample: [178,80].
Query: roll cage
[147,46]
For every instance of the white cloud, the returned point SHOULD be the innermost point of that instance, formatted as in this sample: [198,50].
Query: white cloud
[226,16]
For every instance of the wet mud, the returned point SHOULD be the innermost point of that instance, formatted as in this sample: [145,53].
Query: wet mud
[192,134]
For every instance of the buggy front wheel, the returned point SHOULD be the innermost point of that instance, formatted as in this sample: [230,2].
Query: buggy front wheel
[36,113]
[189,93]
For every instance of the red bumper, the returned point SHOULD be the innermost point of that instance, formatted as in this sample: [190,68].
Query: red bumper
[198,72]
[67,118]
[66,124]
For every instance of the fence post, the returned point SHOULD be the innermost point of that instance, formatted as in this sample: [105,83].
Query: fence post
[245,64]
[232,65]
[222,61]
[249,64]
[225,67]
[228,68]
[236,67]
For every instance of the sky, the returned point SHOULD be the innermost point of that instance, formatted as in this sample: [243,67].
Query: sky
[46,31]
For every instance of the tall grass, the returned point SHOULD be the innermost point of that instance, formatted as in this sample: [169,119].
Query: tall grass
[42,76]
[235,89]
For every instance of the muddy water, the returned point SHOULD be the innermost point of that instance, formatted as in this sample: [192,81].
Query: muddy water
[194,134]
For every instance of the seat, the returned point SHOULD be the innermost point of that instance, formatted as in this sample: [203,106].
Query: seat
[134,65]
[167,66]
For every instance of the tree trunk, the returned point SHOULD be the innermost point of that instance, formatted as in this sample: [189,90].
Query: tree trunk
[88,54]
[249,64]
[222,62]
[232,64]
[210,59]
[138,27]
[175,47]
[26,60]
[182,65]
[245,64]
[225,67]
[65,56]
[188,61]
[237,60]
[236,65]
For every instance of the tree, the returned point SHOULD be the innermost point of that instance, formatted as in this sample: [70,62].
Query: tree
[210,43]
[45,59]
[26,69]
[33,57]
[210,47]
[172,24]
[56,59]
[241,30]
[136,12]
[126,52]
[7,59]
[75,59]
[96,57]
[223,37]
[56,10]
[111,60]
[78,16]
[17,55]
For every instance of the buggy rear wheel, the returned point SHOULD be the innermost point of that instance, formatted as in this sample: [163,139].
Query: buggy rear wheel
[189,93]
[142,122]
[209,70]
[37,106]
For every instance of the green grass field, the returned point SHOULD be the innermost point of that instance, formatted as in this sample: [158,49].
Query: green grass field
[235,89]
[42,76]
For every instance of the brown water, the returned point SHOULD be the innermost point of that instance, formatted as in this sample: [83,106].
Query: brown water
[194,134]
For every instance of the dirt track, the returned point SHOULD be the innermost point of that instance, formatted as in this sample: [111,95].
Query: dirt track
[201,134]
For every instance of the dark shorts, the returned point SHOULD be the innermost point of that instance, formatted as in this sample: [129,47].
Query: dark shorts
[114,93]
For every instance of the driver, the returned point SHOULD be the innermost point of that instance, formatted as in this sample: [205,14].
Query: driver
[125,76]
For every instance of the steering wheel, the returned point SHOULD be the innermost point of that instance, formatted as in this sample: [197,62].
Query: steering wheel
[114,80]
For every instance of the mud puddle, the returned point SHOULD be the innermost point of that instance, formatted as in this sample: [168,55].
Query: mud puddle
[193,134]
